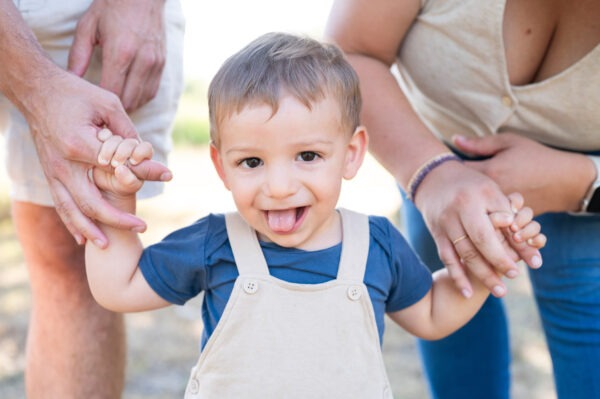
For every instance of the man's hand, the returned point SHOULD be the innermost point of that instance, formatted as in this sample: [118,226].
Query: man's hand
[64,118]
[132,37]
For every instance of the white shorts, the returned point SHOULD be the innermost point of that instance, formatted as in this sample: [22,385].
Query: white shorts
[53,22]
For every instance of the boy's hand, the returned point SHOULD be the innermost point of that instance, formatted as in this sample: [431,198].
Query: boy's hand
[523,237]
[116,155]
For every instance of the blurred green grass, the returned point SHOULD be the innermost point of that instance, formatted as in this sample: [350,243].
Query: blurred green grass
[191,122]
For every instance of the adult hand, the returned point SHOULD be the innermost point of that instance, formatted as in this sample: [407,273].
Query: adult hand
[64,117]
[544,176]
[132,36]
[455,202]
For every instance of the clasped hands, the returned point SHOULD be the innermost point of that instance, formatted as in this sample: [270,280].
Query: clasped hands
[477,227]
[67,112]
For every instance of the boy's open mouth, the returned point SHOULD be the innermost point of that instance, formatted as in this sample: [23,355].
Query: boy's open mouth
[285,220]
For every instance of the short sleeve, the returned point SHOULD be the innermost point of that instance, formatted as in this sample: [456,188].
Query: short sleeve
[177,267]
[411,279]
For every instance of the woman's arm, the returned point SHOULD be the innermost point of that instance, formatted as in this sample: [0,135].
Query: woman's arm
[550,180]
[453,198]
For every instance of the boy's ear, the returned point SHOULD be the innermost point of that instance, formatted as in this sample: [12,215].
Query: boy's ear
[218,163]
[357,148]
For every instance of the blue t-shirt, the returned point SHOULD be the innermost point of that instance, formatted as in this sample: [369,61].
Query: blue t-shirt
[198,258]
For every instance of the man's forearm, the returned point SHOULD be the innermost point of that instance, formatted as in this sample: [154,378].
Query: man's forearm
[24,63]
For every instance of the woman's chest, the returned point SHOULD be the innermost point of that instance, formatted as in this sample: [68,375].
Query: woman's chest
[542,38]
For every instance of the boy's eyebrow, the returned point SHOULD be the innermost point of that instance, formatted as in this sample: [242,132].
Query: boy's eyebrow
[313,142]
[306,143]
[238,149]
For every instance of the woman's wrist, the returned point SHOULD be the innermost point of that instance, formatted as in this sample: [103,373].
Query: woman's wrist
[590,176]
[421,173]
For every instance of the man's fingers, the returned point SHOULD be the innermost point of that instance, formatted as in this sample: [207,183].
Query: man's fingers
[91,204]
[143,80]
[79,225]
[151,170]
[116,62]
[82,48]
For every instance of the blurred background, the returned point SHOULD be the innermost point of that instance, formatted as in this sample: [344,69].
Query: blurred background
[164,345]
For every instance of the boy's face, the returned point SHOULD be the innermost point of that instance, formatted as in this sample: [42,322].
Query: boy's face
[285,171]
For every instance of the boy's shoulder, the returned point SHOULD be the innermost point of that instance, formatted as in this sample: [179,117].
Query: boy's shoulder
[209,231]
[386,237]
[382,227]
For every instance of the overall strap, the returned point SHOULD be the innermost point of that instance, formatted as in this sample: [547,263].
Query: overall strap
[355,245]
[246,249]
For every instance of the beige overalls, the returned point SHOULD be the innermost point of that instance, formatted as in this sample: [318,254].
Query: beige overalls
[277,339]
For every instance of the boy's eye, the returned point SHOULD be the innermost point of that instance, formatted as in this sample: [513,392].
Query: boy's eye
[251,163]
[307,156]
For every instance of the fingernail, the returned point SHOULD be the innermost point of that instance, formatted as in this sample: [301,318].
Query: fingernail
[114,163]
[499,290]
[459,138]
[517,237]
[104,134]
[99,243]
[133,161]
[466,293]
[166,176]
[535,262]
[512,273]
[138,229]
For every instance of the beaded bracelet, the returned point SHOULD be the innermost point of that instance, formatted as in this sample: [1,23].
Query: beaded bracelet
[417,178]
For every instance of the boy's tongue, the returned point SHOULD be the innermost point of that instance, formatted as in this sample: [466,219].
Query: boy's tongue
[283,220]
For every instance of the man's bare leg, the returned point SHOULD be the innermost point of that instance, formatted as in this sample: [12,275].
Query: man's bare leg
[75,348]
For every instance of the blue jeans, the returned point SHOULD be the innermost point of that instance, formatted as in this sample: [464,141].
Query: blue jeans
[474,361]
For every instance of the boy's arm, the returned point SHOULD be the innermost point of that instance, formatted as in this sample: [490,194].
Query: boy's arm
[442,310]
[113,274]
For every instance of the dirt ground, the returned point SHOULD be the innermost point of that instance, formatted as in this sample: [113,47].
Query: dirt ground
[163,345]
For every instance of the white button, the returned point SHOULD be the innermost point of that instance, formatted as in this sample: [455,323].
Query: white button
[193,386]
[354,292]
[251,286]
[507,101]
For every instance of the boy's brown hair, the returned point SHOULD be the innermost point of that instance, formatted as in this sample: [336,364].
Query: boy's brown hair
[277,64]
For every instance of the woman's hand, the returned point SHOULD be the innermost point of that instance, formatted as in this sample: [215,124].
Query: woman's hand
[550,180]
[456,202]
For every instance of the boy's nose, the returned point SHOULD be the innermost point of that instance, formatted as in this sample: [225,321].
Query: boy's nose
[280,182]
